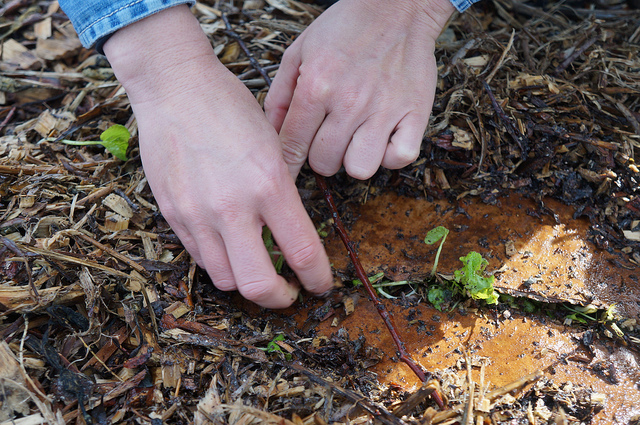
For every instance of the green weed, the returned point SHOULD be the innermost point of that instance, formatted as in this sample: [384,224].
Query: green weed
[115,139]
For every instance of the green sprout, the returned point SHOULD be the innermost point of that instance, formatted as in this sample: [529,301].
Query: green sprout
[470,276]
[373,279]
[434,236]
[115,139]
[276,256]
[273,347]
[379,284]
[437,296]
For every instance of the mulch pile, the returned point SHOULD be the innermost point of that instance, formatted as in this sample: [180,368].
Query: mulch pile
[105,318]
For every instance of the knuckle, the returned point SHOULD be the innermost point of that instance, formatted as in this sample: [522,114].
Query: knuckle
[224,284]
[316,89]
[405,156]
[410,156]
[322,167]
[294,152]
[360,173]
[270,186]
[304,257]
[257,290]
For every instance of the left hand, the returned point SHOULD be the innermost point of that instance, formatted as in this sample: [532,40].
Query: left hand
[357,87]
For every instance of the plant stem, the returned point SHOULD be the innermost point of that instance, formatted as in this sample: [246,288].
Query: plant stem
[435,264]
[360,273]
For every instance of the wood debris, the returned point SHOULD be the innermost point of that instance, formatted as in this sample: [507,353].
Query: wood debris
[105,318]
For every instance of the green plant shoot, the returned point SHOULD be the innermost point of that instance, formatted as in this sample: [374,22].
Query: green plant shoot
[276,256]
[434,236]
[115,139]
[471,278]
[273,347]
[372,279]
[437,297]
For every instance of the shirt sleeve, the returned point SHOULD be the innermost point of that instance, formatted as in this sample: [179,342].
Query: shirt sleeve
[463,5]
[96,20]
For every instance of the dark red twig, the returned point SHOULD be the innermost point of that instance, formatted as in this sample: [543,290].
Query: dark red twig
[254,63]
[382,310]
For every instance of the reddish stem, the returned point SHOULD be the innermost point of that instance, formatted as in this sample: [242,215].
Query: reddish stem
[382,310]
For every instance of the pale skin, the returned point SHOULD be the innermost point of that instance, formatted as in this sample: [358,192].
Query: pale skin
[355,89]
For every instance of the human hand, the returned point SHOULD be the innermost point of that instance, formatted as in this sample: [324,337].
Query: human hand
[213,161]
[357,86]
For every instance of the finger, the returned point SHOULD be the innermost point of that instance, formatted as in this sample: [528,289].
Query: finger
[276,104]
[331,141]
[304,118]
[254,273]
[367,148]
[404,146]
[300,244]
[216,262]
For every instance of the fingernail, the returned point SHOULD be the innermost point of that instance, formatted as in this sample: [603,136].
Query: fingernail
[337,284]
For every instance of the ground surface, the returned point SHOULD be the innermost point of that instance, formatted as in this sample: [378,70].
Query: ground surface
[535,170]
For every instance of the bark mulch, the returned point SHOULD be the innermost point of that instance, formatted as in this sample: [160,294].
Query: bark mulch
[105,318]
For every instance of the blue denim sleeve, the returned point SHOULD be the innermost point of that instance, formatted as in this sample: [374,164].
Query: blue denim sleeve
[96,20]
[463,5]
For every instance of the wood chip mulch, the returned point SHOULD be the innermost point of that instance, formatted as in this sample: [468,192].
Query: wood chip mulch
[104,317]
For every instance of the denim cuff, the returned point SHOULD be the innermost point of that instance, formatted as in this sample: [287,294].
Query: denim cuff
[95,21]
[463,5]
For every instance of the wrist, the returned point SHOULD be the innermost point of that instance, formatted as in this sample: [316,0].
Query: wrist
[435,12]
[432,14]
[151,56]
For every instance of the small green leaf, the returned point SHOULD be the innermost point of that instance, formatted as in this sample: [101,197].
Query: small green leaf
[610,314]
[115,139]
[276,256]
[577,318]
[471,278]
[528,306]
[435,235]
[273,347]
[267,238]
[436,297]
[372,279]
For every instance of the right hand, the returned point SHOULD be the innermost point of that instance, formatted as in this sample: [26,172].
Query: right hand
[213,161]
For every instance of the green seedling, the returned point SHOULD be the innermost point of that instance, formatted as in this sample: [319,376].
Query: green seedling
[434,236]
[372,279]
[470,276]
[276,256]
[438,296]
[376,283]
[273,347]
[115,139]
[589,314]
[323,233]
